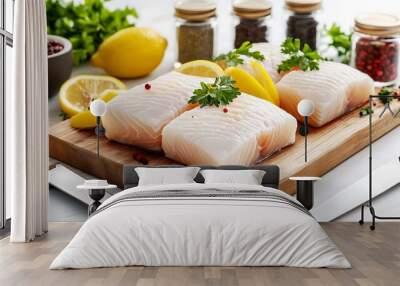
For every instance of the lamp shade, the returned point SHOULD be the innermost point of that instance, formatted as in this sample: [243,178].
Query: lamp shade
[305,107]
[98,107]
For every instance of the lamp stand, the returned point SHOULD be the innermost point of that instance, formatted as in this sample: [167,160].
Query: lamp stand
[304,132]
[99,131]
[369,203]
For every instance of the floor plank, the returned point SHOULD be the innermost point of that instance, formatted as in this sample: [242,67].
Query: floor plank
[375,257]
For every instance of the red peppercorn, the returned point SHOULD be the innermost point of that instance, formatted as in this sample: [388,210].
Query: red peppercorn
[225,110]
[378,58]
[54,47]
[140,157]
[147,86]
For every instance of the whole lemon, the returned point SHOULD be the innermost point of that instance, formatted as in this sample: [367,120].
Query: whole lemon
[131,52]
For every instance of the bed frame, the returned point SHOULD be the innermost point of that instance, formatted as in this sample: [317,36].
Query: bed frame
[271,177]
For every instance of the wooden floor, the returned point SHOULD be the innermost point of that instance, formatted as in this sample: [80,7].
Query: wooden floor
[375,257]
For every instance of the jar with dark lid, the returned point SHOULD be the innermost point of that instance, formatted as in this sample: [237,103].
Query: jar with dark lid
[252,21]
[195,30]
[375,46]
[302,21]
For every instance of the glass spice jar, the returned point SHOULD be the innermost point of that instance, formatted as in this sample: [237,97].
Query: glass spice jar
[375,47]
[252,21]
[302,21]
[195,30]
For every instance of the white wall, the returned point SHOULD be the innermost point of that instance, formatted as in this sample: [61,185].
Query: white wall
[385,150]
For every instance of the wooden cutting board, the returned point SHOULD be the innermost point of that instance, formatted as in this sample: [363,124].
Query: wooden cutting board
[327,147]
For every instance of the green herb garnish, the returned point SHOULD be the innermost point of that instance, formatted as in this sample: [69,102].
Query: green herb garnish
[233,58]
[221,92]
[384,93]
[366,111]
[340,41]
[85,24]
[63,115]
[304,59]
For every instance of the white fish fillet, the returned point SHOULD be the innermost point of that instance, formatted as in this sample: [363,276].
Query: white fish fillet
[335,90]
[137,116]
[273,57]
[251,129]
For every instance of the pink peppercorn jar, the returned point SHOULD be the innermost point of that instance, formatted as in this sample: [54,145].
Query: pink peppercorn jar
[375,47]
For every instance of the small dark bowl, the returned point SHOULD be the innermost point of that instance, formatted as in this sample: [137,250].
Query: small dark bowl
[59,65]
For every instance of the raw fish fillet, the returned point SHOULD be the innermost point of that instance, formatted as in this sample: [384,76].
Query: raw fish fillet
[273,57]
[137,116]
[251,129]
[335,90]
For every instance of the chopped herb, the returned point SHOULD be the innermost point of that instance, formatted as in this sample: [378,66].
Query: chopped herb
[233,58]
[366,111]
[221,92]
[63,115]
[304,59]
[340,41]
[384,92]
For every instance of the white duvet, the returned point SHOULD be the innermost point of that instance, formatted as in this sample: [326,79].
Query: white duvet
[200,231]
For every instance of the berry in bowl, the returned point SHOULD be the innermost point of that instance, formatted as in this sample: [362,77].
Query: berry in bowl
[59,54]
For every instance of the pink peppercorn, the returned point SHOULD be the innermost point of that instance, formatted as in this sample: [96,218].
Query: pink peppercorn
[147,86]
[378,58]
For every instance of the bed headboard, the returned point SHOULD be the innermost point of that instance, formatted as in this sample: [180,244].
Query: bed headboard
[271,177]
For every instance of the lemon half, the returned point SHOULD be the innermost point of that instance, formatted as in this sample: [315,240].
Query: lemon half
[77,93]
[201,68]
[131,52]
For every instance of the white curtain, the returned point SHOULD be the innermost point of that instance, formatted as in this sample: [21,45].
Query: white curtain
[26,124]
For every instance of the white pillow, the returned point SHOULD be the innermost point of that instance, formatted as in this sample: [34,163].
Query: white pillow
[166,176]
[248,177]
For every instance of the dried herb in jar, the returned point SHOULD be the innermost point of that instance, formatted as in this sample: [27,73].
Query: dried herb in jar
[252,21]
[251,30]
[195,30]
[378,58]
[195,42]
[303,26]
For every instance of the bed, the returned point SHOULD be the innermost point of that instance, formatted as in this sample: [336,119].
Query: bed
[201,224]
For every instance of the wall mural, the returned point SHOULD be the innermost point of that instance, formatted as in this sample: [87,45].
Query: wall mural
[300,104]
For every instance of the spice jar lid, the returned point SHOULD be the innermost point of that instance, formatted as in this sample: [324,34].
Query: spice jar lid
[252,9]
[303,6]
[195,10]
[378,24]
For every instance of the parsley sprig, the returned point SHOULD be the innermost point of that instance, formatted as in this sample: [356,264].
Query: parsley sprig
[233,58]
[221,92]
[384,92]
[340,41]
[304,59]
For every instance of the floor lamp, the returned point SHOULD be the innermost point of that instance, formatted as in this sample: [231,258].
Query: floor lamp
[305,108]
[98,108]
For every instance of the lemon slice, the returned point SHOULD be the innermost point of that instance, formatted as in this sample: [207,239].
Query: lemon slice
[108,94]
[77,93]
[201,68]
[83,120]
[248,84]
[265,80]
